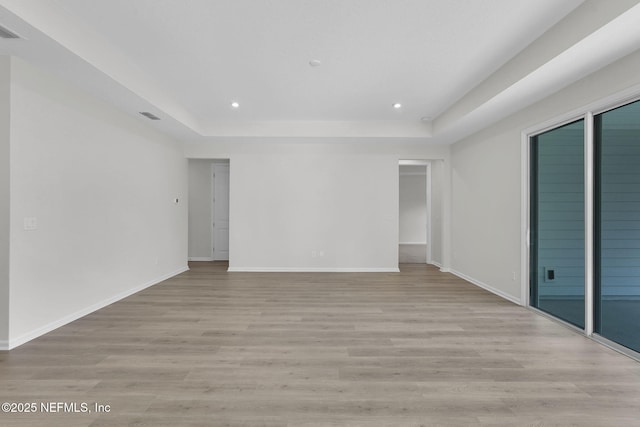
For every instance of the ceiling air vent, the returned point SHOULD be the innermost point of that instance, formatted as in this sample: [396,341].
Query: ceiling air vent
[149,115]
[7,34]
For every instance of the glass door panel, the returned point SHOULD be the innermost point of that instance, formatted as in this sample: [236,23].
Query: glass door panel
[557,223]
[617,234]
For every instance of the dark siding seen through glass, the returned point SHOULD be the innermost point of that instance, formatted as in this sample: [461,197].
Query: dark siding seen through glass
[617,310]
[557,223]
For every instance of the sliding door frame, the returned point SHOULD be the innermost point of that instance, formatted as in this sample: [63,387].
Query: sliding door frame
[527,139]
[587,113]
[589,230]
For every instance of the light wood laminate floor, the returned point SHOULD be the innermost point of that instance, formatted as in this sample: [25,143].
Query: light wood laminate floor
[420,347]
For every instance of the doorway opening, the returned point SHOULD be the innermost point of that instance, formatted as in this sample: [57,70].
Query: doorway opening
[414,212]
[209,209]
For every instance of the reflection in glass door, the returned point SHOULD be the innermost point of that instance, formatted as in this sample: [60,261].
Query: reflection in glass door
[557,223]
[617,220]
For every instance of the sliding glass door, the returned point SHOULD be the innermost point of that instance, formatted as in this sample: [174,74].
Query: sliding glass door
[557,248]
[617,220]
[557,223]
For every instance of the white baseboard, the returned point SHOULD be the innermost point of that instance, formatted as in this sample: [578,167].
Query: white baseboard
[487,287]
[310,270]
[4,345]
[198,258]
[435,263]
[13,343]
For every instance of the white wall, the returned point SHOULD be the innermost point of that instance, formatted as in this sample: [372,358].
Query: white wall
[283,207]
[413,204]
[5,74]
[486,177]
[200,215]
[102,186]
[289,198]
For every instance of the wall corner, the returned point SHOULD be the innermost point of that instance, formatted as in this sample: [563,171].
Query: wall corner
[5,107]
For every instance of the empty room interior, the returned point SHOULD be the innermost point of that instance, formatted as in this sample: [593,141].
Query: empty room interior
[319,213]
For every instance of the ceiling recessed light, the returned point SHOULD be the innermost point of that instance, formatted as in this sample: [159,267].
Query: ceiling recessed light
[397,105]
[235,105]
[315,62]
[425,119]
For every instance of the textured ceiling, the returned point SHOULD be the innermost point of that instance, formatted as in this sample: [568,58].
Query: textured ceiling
[458,63]
[423,53]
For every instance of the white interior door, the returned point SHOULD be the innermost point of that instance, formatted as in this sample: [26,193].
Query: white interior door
[220,212]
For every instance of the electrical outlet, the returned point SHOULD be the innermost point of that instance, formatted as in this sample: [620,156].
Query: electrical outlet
[549,274]
[314,254]
[30,223]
